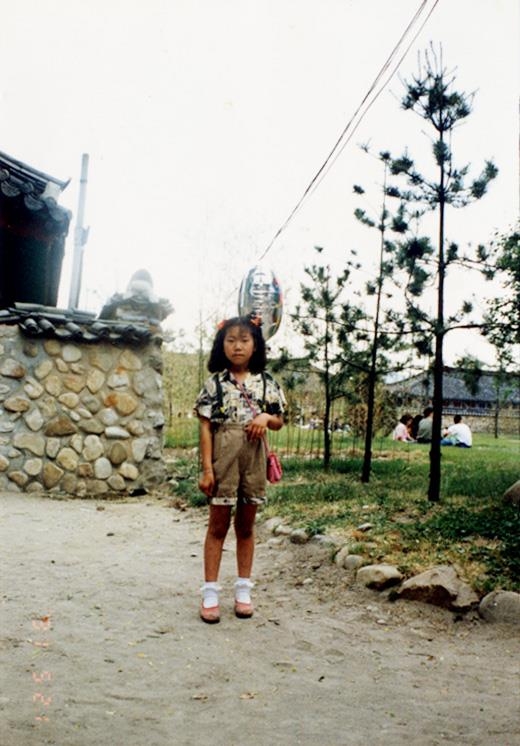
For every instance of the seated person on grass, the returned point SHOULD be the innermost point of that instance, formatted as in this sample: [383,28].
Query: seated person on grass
[457,434]
[424,431]
[402,429]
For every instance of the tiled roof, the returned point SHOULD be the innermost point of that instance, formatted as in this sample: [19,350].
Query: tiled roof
[36,190]
[76,326]
[455,388]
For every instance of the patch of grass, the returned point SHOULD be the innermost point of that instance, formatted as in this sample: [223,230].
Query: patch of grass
[470,527]
[184,433]
[184,470]
[491,534]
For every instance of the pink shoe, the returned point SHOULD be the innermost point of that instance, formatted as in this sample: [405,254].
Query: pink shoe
[243,611]
[210,615]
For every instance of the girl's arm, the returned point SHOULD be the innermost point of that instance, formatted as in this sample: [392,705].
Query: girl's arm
[257,427]
[275,422]
[207,479]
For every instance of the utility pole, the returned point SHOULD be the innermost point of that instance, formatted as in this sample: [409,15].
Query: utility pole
[80,237]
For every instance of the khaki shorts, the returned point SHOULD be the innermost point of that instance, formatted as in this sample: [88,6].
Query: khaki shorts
[239,466]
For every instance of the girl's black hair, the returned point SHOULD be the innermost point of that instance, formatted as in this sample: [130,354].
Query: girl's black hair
[217,359]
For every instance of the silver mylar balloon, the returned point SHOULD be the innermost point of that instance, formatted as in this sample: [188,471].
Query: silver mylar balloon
[260,293]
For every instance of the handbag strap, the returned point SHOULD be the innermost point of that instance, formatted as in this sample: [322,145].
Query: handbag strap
[253,410]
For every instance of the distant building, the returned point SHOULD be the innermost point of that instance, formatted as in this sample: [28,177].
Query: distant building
[491,398]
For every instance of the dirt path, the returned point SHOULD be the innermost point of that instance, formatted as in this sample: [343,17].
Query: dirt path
[99,637]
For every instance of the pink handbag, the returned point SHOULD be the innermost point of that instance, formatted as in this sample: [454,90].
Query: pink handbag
[274,467]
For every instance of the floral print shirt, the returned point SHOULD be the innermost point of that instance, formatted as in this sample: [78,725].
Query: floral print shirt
[235,408]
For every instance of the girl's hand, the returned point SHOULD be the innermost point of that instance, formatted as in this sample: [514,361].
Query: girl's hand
[257,427]
[207,482]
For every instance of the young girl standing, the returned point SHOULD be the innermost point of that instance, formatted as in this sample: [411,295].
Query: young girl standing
[235,408]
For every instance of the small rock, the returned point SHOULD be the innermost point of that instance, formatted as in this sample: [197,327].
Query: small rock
[501,607]
[340,556]
[17,404]
[271,524]
[365,527]
[299,536]
[283,530]
[379,576]
[12,369]
[324,540]
[352,562]
[114,431]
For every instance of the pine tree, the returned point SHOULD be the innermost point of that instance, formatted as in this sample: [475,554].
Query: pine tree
[502,321]
[431,95]
[381,339]
[326,324]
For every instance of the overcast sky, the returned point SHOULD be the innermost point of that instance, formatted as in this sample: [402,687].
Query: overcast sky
[205,120]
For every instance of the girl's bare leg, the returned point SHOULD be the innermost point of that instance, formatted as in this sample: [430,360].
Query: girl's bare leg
[244,530]
[219,520]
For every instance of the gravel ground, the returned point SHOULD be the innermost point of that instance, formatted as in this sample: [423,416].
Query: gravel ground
[100,643]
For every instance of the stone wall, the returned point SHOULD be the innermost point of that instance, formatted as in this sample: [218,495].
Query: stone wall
[79,419]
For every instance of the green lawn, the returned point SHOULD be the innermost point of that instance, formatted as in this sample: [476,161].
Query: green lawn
[471,527]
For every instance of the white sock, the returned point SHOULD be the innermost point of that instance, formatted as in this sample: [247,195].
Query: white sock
[210,594]
[242,590]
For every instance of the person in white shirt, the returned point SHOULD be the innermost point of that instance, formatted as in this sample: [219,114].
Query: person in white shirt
[457,434]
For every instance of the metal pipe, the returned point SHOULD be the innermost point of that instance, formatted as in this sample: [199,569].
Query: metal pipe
[80,237]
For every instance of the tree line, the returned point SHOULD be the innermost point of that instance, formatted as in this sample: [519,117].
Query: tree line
[343,340]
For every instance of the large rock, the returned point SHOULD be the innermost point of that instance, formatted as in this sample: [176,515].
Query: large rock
[440,586]
[512,495]
[379,576]
[501,607]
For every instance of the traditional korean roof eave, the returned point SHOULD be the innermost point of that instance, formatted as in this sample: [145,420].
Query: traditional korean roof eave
[29,173]
[77,326]
[33,189]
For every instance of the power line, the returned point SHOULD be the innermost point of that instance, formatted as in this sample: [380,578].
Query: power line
[341,142]
[337,150]
[370,104]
